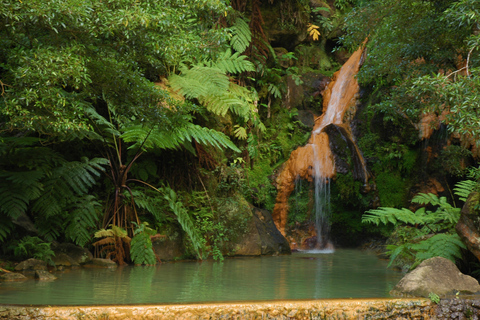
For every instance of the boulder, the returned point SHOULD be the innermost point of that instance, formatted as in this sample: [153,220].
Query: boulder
[12,276]
[101,263]
[436,275]
[468,226]
[43,275]
[31,264]
[262,238]
[78,254]
[62,259]
[168,249]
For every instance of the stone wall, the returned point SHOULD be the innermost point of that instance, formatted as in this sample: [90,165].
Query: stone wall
[305,309]
[465,308]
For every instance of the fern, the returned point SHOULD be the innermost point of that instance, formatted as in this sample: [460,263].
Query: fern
[152,204]
[82,218]
[141,251]
[387,215]
[445,217]
[233,63]
[241,35]
[444,245]
[464,188]
[6,226]
[148,138]
[209,83]
[185,221]
[66,184]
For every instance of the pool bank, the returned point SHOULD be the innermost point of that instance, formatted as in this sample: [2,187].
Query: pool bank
[288,309]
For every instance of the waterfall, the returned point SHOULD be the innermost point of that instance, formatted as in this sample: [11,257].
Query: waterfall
[315,161]
[322,202]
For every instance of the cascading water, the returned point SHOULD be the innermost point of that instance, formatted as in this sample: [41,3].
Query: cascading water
[315,161]
[322,201]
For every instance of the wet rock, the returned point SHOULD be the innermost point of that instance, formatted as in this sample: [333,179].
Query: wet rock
[101,263]
[468,226]
[168,249]
[263,237]
[31,264]
[62,259]
[436,275]
[43,275]
[12,276]
[78,254]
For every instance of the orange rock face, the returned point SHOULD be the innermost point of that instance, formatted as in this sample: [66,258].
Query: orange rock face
[304,162]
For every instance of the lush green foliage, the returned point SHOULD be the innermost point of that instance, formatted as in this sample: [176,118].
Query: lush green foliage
[424,234]
[34,247]
[428,37]
[141,251]
[40,181]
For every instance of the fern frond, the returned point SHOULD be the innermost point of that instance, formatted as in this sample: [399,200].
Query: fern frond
[241,35]
[49,227]
[199,81]
[65,184]
[464,188]
[398,251]
[274,91]
[80,176]
[240,132]
[221,104]
[156,137]
[387,215]
[424,198]
[152,204]
[185,221]
[210,136]
[444,245]
[100,122]
[234,63]
[18,189]
[141,251]
[82,220]
[6,226]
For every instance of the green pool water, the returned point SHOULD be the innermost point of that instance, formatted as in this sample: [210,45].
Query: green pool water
[342,274]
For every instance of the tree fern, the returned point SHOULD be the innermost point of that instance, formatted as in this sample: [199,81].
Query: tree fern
[241,35]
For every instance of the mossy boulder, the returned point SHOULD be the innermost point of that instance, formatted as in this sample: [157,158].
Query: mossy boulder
[262,238]
[31,264]
[436,275]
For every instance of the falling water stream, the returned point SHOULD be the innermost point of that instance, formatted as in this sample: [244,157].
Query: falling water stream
[315,161]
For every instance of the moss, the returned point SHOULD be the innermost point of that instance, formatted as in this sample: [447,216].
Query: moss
[313,56]
[262,193]
[391,188]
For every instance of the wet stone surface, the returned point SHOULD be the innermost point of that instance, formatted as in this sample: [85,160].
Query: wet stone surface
[455,308]
[307,309]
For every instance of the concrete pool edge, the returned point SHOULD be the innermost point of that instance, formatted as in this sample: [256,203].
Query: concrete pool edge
[401,308]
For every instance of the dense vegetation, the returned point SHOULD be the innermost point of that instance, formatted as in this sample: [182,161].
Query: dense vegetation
[122,122]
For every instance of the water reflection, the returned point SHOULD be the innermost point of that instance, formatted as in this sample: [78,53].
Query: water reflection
[342,274]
